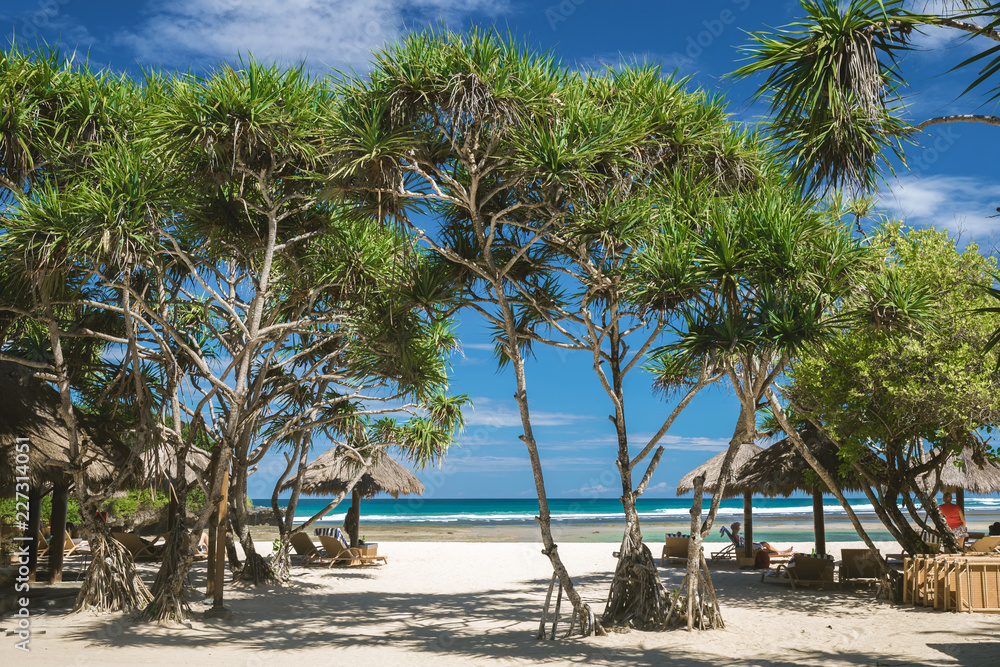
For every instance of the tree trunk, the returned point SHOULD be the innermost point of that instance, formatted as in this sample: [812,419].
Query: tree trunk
[169,602]
[256,569]
[637,598]
[695,601]
[582,613]
[352,520]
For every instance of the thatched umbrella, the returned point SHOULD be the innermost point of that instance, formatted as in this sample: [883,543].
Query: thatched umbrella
[780,471]
[31,411]
[968,476]
[330,473]
[159,465]
[711,469]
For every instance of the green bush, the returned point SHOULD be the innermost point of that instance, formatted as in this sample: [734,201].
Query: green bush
[8,510]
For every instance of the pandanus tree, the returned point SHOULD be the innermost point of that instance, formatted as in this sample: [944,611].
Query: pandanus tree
[480,133]
[835,89]
[835,86]
[769,265]
[55,118]
[670,141]
[905,378]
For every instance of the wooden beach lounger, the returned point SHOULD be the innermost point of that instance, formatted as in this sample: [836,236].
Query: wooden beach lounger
[857,565]
[803,570]
[306,553]
[675,550]
[43,545]
[985,545]
[338,554]
[136,546]
[70,547]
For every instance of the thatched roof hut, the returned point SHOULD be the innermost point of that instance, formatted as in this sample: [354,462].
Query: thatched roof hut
[329,474]
[780,470]
[30,409]
[966,476]
[159,465]
[713,467]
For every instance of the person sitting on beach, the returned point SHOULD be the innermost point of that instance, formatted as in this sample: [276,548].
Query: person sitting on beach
[203,543]
[955,517]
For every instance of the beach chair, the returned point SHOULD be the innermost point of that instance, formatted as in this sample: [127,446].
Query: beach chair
[306,553]
[675,550]
[803,570]
[857,565]
[71,547]
[137,547]
[43,545]
[728,551]
[339,553]
[984,545]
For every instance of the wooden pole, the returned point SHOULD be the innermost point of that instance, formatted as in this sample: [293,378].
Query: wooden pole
[57,529]
[220,544]
[748,524]
[960,499]
[213,544]
[818,525]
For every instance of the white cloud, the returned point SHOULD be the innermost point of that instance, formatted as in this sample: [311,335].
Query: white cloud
[487,412]
[478,346]
[323,33]
[592,490]
[945,202]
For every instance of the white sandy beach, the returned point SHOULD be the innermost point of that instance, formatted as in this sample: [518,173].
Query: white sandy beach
[479,603]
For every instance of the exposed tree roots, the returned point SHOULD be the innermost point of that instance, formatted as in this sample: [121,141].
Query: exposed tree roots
[169,602]
[255,570]
[582,618]
[281,561]
[637,598]
[111,583]
[694,604]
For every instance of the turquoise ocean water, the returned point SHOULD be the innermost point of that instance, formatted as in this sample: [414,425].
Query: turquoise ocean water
[784,518]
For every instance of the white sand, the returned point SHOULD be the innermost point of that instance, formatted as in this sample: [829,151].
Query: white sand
[479,603]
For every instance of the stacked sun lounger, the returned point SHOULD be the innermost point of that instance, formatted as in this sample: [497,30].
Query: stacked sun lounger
[953,582]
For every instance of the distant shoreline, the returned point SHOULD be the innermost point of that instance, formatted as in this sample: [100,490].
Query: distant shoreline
[777,531]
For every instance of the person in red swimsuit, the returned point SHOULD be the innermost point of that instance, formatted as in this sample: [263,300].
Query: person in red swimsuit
[956,519]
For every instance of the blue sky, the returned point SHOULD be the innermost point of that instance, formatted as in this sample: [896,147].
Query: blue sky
[951,182]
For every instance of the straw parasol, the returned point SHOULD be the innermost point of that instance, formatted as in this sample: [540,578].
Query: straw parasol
[31,410]
[330,473]
[159,465]
[780,471]
[966,476]
[712,468]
